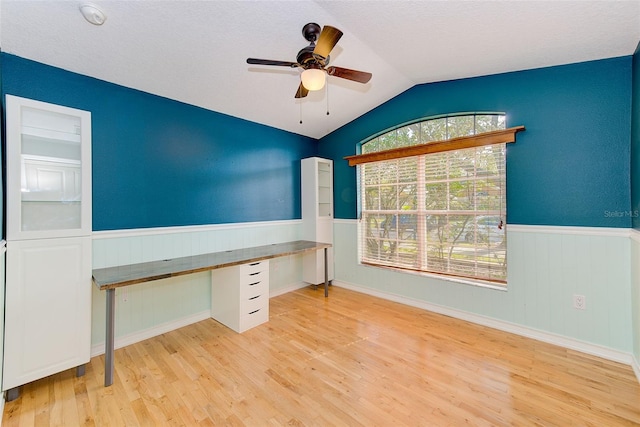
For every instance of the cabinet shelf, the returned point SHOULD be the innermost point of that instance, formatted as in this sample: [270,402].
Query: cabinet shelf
[48,273]
[317,215]
[48,170]
[51,135]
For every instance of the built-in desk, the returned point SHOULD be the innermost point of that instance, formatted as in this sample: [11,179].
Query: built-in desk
[108,279]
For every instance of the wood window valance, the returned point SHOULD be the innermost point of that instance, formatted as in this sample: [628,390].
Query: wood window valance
[487,138]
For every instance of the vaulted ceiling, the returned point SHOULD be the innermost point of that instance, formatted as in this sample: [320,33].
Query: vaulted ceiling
[196,51]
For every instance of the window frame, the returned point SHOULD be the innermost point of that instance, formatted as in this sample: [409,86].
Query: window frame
[420,151]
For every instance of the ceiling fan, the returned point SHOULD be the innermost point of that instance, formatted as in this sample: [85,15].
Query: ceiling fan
[314,60]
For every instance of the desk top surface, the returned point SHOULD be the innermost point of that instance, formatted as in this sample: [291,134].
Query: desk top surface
[125,275]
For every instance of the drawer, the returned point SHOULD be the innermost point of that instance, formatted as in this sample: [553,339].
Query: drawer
[254,267]
[256,276]
[253,303]
[253,319]
[256,287]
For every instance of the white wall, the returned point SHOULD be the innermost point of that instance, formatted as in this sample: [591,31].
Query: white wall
[546,267]
[635,298]
[152,308]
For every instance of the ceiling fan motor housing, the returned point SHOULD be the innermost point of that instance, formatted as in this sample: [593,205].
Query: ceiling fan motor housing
[314,59]
[311,31]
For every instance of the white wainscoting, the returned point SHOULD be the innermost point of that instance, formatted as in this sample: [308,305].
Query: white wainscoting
[547,266]
[635,298]
[3,251]
[149,309]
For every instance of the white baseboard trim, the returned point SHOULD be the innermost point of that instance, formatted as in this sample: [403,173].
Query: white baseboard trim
[548,337]
[1,409]
[292,287]
[154,331]
[636,367]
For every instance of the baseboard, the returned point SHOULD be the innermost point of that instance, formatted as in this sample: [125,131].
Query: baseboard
[548,337]
[636,367]
[154,331]
[287,289]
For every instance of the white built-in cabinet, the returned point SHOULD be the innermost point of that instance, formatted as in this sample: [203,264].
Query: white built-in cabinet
[240,295]
[317,215]
[48,271]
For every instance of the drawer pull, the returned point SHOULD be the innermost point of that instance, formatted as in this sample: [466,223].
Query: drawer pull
[254,283]
[255,263]
[255,311]
[252,298]
[253,274]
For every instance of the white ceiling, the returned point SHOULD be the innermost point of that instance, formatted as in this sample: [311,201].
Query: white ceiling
[195,51]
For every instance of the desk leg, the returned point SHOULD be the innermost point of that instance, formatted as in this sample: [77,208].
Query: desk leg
[326,273]
[109,338]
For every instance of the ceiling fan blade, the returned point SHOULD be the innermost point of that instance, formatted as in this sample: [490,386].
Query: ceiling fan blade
[302,91]
[345,73]
[271,62]
[328,39]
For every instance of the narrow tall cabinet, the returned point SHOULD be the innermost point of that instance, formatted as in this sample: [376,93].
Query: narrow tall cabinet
[317,215]
[48,271]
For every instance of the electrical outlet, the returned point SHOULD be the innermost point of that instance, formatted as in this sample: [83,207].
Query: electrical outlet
[579,302]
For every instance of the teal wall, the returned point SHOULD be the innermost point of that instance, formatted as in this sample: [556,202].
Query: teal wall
[570,166]
[159,162]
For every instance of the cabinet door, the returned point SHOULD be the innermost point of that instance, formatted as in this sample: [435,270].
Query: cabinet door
[48,308]
[48,170]
[317,216]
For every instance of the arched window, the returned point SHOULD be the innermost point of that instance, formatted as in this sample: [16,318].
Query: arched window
[442,212]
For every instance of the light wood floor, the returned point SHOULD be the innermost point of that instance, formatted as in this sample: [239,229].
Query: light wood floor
[349,360]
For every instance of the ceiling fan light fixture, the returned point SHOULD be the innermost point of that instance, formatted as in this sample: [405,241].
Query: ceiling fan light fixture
[313,78]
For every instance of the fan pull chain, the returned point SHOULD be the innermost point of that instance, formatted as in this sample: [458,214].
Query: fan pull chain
[300,103]
[327,86]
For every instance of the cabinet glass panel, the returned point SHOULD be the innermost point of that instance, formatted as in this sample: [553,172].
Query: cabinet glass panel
[324,189]
[50,170]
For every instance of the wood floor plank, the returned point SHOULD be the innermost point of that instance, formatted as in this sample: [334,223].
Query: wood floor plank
[351,360]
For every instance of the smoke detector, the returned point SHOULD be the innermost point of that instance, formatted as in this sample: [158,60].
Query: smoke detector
[93,14]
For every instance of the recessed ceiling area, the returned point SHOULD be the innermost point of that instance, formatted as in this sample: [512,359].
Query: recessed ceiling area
[195,51]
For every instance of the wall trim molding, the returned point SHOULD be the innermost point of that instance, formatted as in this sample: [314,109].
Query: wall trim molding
[548,337]
[561,229]
[154,331]
[135,232]
[553,229]
[345,221]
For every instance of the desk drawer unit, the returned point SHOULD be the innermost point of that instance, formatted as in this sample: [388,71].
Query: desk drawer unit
[240,295]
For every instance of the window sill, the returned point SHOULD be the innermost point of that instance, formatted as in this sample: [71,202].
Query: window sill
[461,280]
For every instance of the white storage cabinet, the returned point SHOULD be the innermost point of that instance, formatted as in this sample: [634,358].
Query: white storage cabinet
[240,295]
[317,216]
[48,272]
